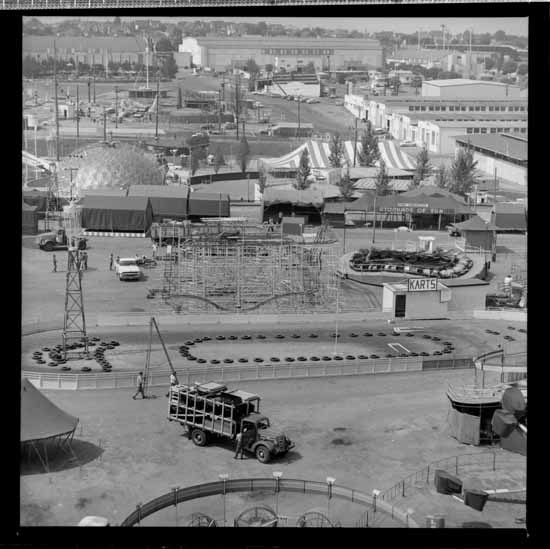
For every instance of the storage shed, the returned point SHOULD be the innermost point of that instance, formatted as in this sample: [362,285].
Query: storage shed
[116,213]
[478,233]
[208,205]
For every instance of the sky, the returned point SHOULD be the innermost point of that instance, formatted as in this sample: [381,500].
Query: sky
[516,25]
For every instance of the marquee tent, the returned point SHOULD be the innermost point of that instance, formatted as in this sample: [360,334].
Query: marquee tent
[167,201]
[116,213]
[319,153]
[42,421]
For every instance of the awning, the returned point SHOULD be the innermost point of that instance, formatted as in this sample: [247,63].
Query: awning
[319,153]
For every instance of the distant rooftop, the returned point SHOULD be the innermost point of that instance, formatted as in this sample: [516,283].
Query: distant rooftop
[503,144]
[463,82]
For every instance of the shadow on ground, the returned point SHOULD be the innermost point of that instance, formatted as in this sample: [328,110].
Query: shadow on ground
[59,460]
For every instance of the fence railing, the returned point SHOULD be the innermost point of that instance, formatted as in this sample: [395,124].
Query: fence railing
[249,372]
[456,465]
[311,487]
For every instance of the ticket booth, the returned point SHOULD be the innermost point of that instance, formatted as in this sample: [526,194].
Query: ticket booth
[426,244]
[421,298]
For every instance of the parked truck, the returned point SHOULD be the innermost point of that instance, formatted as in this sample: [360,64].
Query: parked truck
[210,411]
[58,240]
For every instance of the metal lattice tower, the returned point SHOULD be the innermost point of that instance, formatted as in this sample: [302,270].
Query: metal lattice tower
[74,325]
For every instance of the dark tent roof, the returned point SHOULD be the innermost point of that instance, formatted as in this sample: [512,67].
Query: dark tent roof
[116,213]
[166,201]
[209,204]
[511,216]
[475,223]
[432,190]
[40,417]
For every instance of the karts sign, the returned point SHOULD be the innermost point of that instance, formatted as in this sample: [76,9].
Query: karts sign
[422,284]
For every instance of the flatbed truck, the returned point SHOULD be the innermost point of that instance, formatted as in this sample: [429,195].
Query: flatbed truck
[209,410]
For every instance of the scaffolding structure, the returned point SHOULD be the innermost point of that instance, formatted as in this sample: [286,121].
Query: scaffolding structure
[250,275]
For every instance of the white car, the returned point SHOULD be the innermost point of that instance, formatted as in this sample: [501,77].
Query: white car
[312,100]
[127,269]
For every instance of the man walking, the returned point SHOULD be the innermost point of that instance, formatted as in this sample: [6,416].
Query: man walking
[54,259]
[139,382]
[111,260]
[84,260]
[239,449]
[173,382]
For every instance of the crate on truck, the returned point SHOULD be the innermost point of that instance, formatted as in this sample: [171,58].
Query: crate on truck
[209,410]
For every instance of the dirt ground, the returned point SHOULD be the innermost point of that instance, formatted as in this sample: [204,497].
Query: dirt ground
[130,453]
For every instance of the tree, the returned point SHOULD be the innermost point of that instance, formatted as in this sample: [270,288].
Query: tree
[163,44]
[509,66]
[522,69]
[416,82]
[194,163]
[382,180]
[218,160]
[336,151]
[252,67]
[463,173]
[304,171]
[395,83]
[500,36]
[442,177]
[309,68]
[423,166]
[489,63]
[370,152]
[268,67]
[169,67]
[346,186]
[262,178]
[243,153]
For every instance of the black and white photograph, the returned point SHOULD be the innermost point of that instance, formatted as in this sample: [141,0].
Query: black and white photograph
[273,271]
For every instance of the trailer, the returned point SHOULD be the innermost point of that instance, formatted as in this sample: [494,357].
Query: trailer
[209,410]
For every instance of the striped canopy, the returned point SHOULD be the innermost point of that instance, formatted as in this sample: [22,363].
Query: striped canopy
[319,153]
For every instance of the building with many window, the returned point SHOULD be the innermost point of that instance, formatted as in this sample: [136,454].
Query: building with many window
[97,50]
[286,52]
[462,88]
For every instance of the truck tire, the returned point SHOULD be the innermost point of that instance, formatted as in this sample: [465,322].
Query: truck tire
[48,247]
[199,437]
[262,454]
[82,245]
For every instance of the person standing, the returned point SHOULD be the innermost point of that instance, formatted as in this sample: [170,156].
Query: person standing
[280,217]
[84,260]
[111,260]
[154,250]
[239,450]
[173,382]
[508,284]
[139,382]
[54,259]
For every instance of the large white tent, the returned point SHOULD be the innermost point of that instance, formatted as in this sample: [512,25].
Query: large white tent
[319,153]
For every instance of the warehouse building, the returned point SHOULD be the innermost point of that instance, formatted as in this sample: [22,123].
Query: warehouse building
[218,53]
[503,153]
[469,89]
[96,50]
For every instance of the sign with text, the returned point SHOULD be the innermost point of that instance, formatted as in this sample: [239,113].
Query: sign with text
[421,284]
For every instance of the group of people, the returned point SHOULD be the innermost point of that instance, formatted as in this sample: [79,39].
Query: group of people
[81,261]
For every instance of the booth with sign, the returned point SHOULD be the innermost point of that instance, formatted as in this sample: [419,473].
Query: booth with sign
[421,298]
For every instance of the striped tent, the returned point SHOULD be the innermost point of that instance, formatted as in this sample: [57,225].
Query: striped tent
[319,153]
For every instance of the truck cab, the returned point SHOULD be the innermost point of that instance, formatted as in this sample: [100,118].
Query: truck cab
[57,240]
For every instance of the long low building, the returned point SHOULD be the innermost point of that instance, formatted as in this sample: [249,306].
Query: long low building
[503,155]
[218,53]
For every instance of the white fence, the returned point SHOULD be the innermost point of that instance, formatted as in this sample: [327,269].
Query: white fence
[222,373]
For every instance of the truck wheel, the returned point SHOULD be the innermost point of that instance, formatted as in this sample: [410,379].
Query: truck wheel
[199,437]
[262,454]
[82,245]
[48,246]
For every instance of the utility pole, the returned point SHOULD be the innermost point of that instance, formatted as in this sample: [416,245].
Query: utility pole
[237,100]
[104,125]
[77,115]
[147,62]
[116,106]
[89,90]
[355,144]
[299,102]
[158,101]
[374,222]
[220,111]
[56,103]
[93,74]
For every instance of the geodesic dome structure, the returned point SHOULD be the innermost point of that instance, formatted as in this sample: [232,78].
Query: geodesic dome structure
[115,165]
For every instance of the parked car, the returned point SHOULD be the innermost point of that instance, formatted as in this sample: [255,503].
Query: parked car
[452,230]
[127,269]
[312,100]
[230,126]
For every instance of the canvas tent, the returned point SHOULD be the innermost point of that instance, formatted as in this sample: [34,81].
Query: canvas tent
[208,205]
[116,213]
[319,153]
[167,202]
[29,219]
[511,217]
[43,422]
